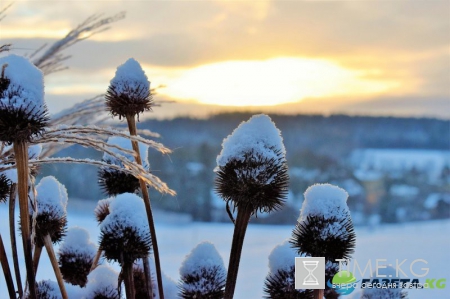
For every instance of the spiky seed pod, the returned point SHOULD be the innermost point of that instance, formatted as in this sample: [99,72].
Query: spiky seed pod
[102,284]
[102,209]
[129,91]
[23,113]
[254,180]
[113,181]
[202,274]
[324,227]
[5,185]
[124,234]
[75,256]
[251,168]
[51,218]
[47,289]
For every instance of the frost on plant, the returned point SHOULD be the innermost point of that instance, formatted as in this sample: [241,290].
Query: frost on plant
[325,227]
[251,168]
[23,113]
[202,273]
[51,206]
[129,90]
[76,255]
[124,232]
[114,181]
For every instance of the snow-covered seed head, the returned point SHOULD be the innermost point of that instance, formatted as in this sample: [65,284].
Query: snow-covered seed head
[129,91]
[124,233]
[102,284]
[5,185]
[52,215]
[280,282]
[114,181]
[23,113]
[102,209]
[47,289]
[75,256]
[325,227]
[251,168]
[202,273]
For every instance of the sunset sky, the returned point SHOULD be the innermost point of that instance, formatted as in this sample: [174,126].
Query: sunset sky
[357,57]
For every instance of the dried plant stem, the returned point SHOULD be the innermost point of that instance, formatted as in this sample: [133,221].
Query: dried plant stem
[318,294]
[21,153]
[148,277]
[96,259]
[6,271]
[12,234]
[128,279]
[131,121]
[36,257]
[242,219]
[51,254]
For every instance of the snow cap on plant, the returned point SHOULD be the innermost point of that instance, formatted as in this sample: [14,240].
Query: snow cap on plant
[76,255]
[102,283]
[124,233]
[251,168]
[280,282]
[202,273]
[51,205]
[129,90]
[324,227]
[23,113]
[114,181]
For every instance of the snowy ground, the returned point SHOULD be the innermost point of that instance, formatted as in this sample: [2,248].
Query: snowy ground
[426,240]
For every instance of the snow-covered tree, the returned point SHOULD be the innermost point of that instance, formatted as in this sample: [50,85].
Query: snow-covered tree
[252,175]
[76,255]
[202,274]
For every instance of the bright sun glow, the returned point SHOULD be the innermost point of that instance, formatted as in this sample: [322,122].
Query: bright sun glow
[270,82]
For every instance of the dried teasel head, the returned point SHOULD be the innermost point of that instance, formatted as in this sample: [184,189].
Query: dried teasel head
[124,233]
[76,255]
[102,209]
[102,284]
[129,91]
[23,113]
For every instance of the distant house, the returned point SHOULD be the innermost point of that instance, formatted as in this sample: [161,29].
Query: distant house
[433,163]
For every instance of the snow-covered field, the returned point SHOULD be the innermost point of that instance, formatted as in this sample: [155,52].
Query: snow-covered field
[425,240]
